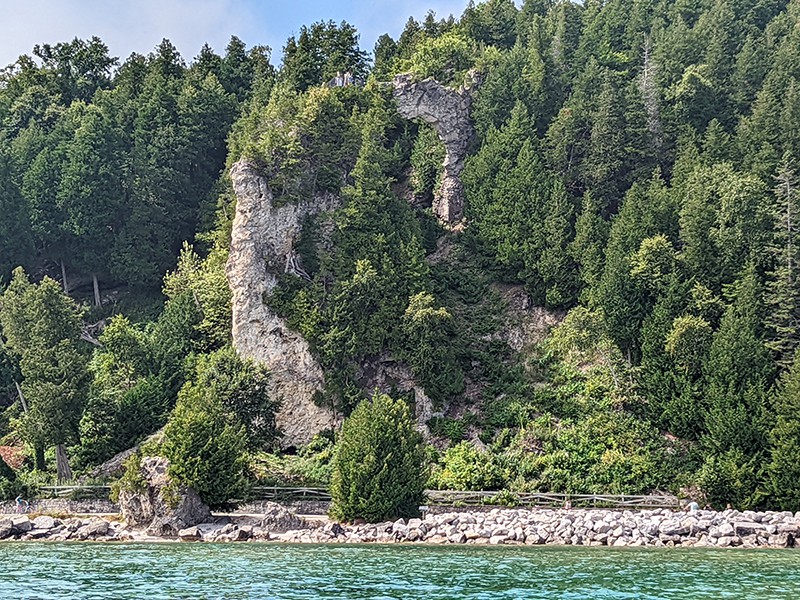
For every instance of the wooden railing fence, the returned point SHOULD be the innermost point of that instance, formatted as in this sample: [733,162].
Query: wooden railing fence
[432,497]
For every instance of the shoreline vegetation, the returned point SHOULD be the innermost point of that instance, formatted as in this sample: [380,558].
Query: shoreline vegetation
[529,249]
[499,526]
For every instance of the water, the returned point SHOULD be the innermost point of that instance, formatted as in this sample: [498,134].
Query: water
[224,572]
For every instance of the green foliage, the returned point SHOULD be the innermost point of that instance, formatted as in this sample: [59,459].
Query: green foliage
[782,471]
[464,467]
[319,52]
[205,280]
[41,326]
[132,479]
[446,58]
[311,466]
[730,478]
[377,470]
[633,165]
[241,386]
[428,338]
[205,448]
[426,162]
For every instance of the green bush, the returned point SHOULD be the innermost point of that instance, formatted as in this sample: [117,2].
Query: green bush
[377,468]
[464,467]
[206,451]
[132,479]
[311,466]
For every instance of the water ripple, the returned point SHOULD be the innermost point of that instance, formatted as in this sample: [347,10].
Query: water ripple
[45,571]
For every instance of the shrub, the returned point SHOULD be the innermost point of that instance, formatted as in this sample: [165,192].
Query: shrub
[464,467]
[377,469]
[206,451]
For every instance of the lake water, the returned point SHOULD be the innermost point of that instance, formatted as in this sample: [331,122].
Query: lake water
[215,571]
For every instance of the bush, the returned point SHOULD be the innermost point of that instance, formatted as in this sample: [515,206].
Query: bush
[242,388]
[377,469]
[464,467]
[206,452]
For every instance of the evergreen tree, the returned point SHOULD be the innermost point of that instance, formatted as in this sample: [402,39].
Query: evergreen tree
[738,372]
[784,468]
[377,469]
[42,326]
[783,287]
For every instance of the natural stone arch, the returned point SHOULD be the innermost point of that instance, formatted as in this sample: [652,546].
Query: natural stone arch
[447,110]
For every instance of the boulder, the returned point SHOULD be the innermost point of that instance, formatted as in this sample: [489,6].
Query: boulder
[279,519]
[44,522]
[745,528]
[190,534]
[161,507]
[21,524]
[6,528]
[94,529]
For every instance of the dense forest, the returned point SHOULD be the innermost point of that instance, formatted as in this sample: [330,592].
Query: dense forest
[633,178]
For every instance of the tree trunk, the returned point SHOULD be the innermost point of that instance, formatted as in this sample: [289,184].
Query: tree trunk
[22,398]
[38,457]
[64,281]
[63,472]
[96,285]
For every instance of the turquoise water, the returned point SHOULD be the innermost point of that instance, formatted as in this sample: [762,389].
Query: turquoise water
[215,571]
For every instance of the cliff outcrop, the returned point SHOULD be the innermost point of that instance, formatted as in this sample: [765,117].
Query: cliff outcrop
[447,110]
[159,506]
[262,247]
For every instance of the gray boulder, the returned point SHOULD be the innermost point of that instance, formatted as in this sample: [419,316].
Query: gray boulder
[21,524]
[161,507]
[44,522]
[279,519]
[6,528]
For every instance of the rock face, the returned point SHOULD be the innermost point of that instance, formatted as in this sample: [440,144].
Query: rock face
[162,512]
[386,374]
[262,247]
[448,112]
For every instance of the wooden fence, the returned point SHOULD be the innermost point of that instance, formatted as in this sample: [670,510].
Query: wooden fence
[75,492]
[432,497]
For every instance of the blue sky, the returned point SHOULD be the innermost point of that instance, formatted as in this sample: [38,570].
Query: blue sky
[139,25]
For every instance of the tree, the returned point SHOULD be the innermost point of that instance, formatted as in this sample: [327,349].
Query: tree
[241,386]
[205,449]
[16,241]
[377,469]
[738,372]
[784,468]
[428,334]
[91,192]
[42,326]
[319,52]
[783,287]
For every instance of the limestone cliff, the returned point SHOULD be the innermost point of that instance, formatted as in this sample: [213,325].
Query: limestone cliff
[448,112]
[262,247]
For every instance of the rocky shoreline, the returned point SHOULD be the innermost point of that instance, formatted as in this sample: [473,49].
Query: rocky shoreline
[589,527]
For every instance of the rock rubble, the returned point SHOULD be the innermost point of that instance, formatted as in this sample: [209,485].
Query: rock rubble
[497,527]
[574,527]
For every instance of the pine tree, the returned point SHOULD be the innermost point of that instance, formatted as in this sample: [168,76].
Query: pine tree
[783,286]
[738,372]
[377,469]
[784,468]
[42,326]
